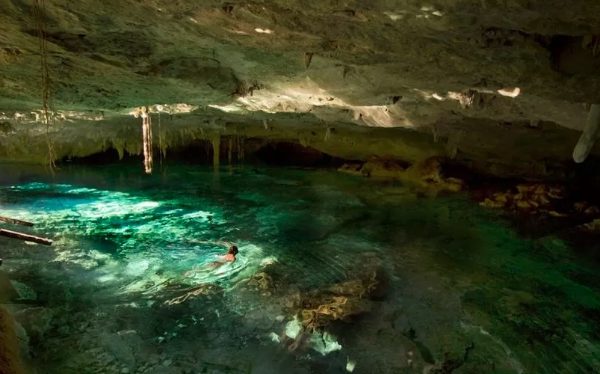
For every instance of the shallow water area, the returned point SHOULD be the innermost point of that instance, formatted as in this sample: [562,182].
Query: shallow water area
[130,286]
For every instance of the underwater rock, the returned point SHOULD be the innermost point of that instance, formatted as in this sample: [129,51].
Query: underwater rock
[7,289]
[185,294]
[322,310]
[296,336]
[293,328]
[591,227]
[324,343]
[343,300]
[10,358]
[314,310]
[273,281]
[449,365]
[261,281]
[36,321]
[121,346]
[350,365]
[24,291]
[532,198]
[586,208]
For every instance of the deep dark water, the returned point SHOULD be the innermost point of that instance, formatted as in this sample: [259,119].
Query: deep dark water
[466,291]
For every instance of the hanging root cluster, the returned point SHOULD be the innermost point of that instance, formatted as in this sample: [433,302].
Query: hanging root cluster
[592,42]
[147,140]
[234,147]
[39,13]
[144,113]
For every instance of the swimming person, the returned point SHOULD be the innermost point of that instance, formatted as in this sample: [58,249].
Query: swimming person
[228,257]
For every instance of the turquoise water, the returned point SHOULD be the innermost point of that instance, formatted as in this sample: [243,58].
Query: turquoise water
[128,286]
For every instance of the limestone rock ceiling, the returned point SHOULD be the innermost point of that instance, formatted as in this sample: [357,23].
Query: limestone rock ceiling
[383,63]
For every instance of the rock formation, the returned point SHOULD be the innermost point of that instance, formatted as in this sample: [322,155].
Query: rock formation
[501,87]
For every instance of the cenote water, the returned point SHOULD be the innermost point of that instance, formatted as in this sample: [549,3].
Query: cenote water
[128,285]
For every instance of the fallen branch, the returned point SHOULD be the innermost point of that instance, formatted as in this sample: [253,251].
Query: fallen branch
[15,221]
[25,237]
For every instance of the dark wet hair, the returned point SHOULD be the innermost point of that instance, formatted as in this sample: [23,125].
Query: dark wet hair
[233,250]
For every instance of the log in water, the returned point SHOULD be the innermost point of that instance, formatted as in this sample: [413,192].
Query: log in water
[15,221]
[26,237]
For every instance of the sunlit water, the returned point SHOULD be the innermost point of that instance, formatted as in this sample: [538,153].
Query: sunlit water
[464,285]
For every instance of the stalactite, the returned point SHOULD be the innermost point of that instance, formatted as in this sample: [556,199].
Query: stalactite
[453,144]
[120,148]
[242,151]
[308,56]
[327,134]
[230,150]
[434,132]
[589,136]
[216,145]
[147,139]
[160,143]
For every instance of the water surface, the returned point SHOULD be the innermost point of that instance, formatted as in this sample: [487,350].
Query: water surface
[466,292]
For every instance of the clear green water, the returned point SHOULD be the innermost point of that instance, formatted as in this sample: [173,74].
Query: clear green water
[459,276]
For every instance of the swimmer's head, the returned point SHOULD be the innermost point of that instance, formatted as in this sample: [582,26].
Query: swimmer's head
[233,250]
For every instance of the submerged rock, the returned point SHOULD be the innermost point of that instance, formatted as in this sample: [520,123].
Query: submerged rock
[533,198]
[10,358]
[7,289]
[591,227]
[185,294]
[450,364]
[261,281]
[343,300]
[24,291]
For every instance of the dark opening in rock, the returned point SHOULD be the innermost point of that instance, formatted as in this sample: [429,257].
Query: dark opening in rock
[294,154]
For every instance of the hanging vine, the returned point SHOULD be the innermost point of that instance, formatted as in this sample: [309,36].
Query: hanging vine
[39,11]
[147,139]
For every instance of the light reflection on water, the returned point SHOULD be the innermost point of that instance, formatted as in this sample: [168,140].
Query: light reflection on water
[458,274]
[156,241]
